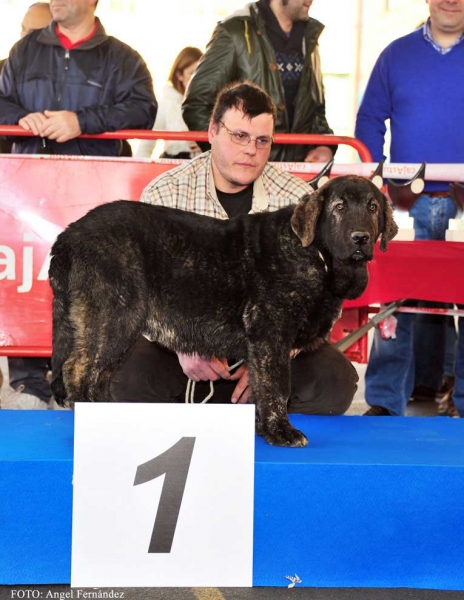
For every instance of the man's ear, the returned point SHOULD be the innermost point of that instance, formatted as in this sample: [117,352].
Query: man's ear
[305,216]
[212,130]
[390,228]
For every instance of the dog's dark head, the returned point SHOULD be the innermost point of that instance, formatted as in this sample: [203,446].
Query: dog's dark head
[346,216]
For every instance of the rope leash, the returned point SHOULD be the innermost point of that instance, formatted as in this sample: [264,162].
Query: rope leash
[190,390]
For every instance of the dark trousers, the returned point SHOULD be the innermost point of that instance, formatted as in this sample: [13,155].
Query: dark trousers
[30,372]
[322,382]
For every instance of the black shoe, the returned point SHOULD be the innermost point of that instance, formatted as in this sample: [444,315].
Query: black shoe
[422,393]
[376,411]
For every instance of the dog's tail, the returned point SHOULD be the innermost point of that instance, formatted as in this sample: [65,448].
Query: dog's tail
[63,330]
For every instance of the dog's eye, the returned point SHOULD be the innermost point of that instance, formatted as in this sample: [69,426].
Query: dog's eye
[373,207]
[340,207]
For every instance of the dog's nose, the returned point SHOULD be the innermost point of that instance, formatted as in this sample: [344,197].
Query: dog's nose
[360,237]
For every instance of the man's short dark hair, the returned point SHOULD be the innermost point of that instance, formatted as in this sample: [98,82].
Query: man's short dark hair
[245,96]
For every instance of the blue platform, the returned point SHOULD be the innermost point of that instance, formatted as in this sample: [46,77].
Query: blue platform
[369,503]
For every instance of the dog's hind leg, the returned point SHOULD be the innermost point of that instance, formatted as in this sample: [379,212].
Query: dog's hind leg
[63,330]
[63,344]
[103,333]
[269,372]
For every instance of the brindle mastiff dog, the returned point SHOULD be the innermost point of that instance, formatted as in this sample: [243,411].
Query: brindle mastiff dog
[253,288]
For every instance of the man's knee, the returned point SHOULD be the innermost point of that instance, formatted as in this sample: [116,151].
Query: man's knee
[149,373]
[323,382]
[343,385]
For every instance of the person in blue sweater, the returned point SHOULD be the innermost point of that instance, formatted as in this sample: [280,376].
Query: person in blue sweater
[418,85]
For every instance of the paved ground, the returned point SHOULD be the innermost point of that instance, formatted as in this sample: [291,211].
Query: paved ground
[64,592]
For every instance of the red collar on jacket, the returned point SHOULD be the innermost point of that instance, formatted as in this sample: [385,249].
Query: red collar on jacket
[66,42]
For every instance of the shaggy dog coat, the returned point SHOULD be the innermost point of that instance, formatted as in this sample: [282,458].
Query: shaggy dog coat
[253,288]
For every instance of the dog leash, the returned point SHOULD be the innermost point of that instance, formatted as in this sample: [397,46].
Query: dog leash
[190,391]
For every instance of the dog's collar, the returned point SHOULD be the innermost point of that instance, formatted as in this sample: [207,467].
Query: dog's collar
[323,260]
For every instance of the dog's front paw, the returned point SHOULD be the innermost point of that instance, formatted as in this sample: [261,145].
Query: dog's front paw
[283,434]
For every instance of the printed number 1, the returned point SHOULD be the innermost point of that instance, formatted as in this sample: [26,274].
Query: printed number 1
[175,463]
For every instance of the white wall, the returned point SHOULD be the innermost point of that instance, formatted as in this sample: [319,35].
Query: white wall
[356,31]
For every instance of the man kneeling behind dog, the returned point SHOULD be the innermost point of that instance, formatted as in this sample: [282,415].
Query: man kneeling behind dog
[232,179]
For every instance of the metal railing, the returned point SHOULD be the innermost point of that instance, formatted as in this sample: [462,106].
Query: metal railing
[202,136]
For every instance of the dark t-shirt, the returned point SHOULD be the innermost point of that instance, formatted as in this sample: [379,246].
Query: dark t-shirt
[236,204]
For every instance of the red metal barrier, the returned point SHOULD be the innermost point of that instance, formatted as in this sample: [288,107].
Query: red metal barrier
[202,136]
[41,194]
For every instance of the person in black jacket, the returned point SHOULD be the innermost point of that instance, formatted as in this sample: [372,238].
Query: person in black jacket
[59,82]
[72,78]
[274,44]
[37,16]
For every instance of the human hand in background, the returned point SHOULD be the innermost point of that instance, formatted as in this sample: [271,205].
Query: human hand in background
[320,154]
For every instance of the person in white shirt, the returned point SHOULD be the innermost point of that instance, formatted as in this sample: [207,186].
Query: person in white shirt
[169,115]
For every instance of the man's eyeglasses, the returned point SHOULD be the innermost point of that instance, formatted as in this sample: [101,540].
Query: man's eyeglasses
[243,139]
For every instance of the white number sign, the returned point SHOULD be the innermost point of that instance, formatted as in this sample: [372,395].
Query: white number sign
[163,495]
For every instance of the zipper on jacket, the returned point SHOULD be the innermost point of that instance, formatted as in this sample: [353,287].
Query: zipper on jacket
[247,38]
[63,76]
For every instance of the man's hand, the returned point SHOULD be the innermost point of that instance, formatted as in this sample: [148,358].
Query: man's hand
[33,122]
[320,154]
[60,125]
[200,368]
[241,393]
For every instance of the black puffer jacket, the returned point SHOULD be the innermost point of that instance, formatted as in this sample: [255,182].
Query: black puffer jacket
[5,144]
[104,81]
[239,49]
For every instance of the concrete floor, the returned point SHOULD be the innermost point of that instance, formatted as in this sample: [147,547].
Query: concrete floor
[63,592]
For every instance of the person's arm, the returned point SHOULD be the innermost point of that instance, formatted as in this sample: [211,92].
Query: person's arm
[11,110]
[134,105]
[160,192]
[320,124]
[216,69]
[375,109]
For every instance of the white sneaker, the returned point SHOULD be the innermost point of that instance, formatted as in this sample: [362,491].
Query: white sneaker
[15,400]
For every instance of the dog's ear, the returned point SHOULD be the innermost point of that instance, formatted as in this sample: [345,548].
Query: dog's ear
[389,228]
[305,216]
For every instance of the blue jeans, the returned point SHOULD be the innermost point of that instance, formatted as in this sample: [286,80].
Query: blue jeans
[458,394]
[390,372]
[434,346]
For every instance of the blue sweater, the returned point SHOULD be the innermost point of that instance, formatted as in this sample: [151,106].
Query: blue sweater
[422,93]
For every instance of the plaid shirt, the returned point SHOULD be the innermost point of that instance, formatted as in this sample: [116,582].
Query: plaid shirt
[427,31]
[191,187]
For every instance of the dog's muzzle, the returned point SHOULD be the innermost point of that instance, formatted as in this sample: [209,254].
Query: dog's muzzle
[363,251]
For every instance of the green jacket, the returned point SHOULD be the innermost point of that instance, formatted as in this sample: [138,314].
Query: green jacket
[239,49]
